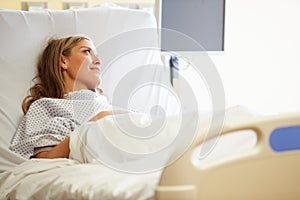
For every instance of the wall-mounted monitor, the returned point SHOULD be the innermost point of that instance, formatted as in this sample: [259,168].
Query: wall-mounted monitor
[201,20]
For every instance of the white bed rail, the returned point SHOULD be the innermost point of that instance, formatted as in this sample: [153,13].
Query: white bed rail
[261,173]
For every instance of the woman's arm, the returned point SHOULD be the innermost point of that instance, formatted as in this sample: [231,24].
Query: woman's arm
[62,150]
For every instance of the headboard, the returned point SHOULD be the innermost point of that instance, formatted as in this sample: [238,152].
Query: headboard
[122,37]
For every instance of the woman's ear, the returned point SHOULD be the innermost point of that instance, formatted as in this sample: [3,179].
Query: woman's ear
[63,62]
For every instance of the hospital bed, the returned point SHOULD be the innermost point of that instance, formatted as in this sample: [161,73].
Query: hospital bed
[268,169]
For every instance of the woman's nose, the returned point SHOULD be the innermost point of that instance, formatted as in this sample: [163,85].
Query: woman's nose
[97,60]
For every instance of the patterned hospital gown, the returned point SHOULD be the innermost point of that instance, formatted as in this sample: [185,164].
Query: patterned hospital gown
[49,121]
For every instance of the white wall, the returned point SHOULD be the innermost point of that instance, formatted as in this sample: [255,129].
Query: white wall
[260,67]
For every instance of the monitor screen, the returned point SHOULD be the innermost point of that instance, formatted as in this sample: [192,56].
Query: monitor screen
[200,20]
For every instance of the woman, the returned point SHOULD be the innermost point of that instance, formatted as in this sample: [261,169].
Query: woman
[63,97]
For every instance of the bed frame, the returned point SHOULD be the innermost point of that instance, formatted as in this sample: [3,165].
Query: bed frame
[270,170]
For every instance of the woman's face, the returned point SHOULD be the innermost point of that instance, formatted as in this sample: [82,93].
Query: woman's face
[81,70]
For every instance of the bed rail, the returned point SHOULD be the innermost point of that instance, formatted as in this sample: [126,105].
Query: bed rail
[263,172]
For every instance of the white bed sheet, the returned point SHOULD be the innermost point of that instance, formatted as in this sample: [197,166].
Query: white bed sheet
[71,179]
[131,142]
[68,179]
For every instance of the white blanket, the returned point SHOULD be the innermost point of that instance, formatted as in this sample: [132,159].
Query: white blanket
[68,179]
[72,179]
[134,143]
[86,175]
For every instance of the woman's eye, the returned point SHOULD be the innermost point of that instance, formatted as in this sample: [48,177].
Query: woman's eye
[87,51]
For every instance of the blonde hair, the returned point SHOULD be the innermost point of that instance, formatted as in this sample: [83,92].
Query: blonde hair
[49,81]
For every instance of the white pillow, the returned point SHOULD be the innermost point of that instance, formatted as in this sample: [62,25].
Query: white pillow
[23,36]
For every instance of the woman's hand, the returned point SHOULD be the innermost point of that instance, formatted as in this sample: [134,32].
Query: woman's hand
[103,114]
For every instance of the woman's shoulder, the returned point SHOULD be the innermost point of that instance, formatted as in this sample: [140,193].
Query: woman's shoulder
[47,104]
[83,94]
[45,101]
